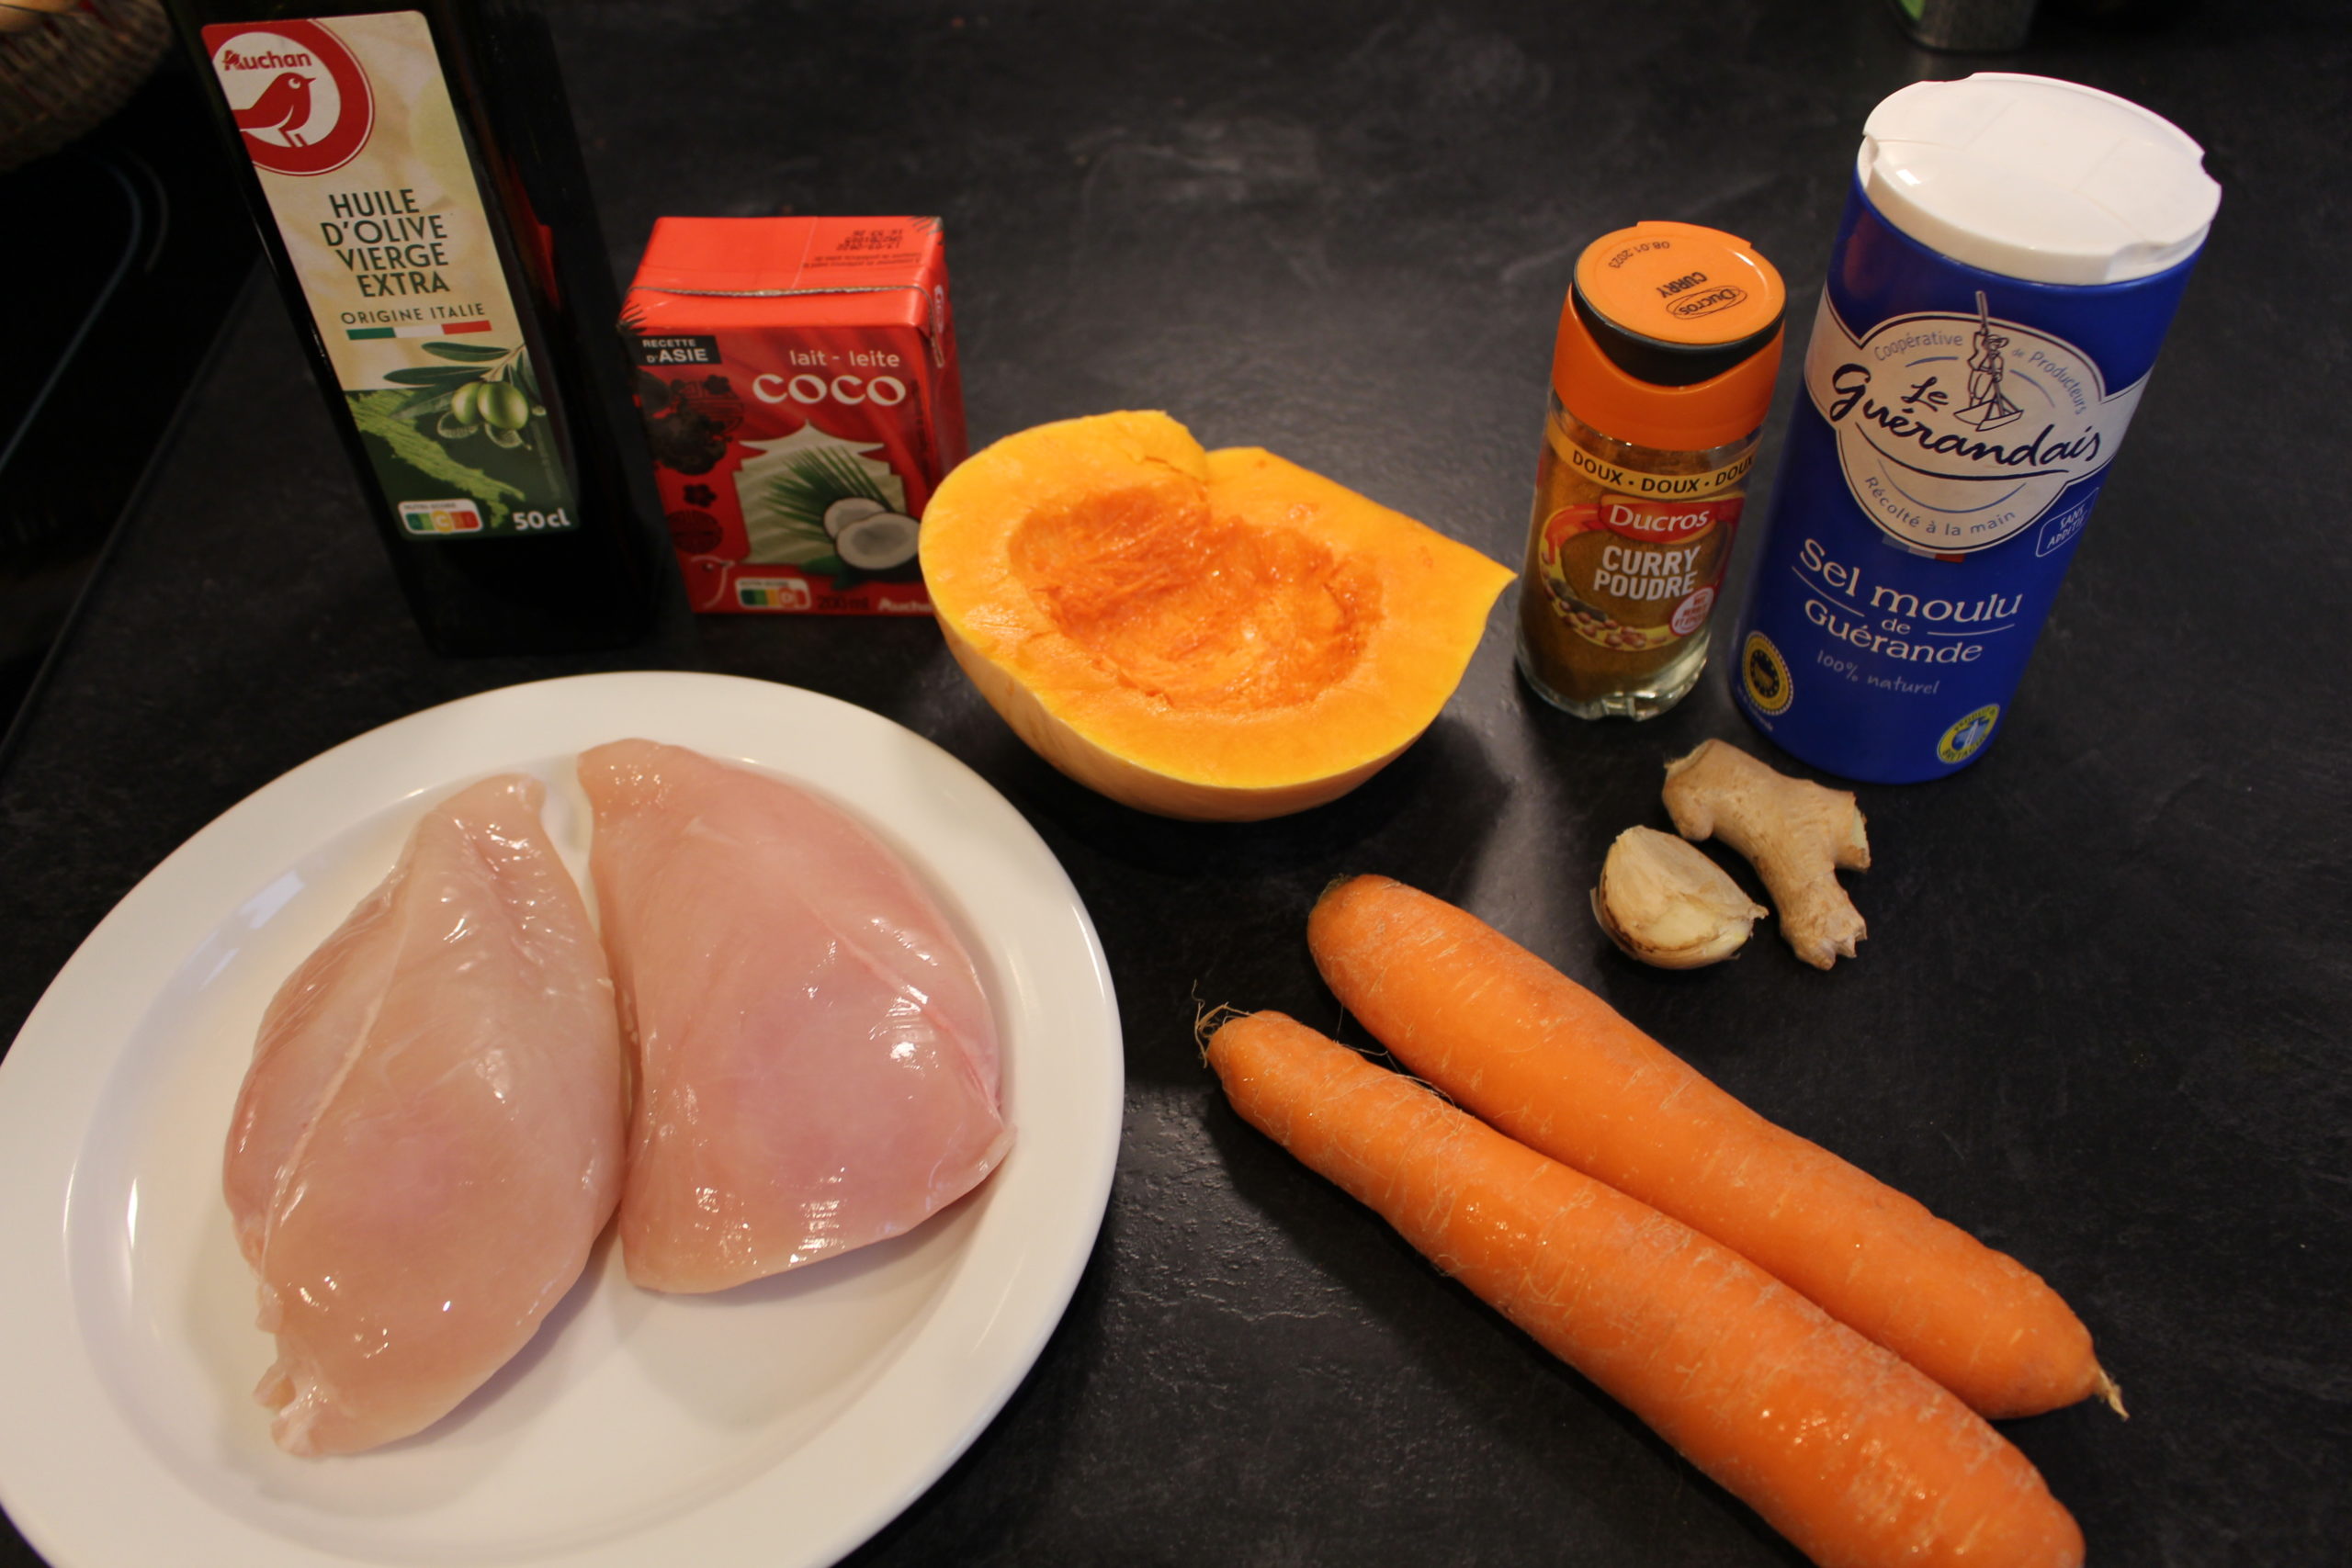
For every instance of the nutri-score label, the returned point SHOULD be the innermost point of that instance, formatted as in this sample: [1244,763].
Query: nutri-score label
[352,133]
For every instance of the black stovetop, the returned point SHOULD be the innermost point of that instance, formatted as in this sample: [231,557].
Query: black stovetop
[139,245]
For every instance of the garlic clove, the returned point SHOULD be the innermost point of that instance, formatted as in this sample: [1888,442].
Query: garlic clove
[1664,902]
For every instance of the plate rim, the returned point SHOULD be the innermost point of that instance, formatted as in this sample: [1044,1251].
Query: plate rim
[53,1086]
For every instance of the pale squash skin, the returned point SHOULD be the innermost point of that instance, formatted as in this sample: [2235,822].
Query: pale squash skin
[1212,636]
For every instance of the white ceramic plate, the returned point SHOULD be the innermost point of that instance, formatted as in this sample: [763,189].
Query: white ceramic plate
[779,1424]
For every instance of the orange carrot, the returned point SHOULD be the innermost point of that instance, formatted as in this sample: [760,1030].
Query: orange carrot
[1532,1052]
[1844,1448]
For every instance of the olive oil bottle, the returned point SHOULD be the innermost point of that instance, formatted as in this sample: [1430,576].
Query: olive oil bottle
[419,191]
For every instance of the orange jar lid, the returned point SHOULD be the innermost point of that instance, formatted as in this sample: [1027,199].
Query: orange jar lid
[1670,337]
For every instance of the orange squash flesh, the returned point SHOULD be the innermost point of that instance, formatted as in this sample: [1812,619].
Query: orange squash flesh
[1219,635]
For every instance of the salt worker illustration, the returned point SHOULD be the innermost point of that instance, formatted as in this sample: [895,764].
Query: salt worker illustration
[1988,407]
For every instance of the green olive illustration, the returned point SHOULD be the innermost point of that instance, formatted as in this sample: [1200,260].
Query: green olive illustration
[465,404]
[503,406]
[449,427]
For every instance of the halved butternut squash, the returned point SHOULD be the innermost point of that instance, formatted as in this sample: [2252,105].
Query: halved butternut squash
[1217,636]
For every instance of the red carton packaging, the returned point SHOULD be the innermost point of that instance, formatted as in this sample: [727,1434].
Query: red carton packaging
[798,383]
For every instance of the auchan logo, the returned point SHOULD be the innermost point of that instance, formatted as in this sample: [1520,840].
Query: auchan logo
[300,100]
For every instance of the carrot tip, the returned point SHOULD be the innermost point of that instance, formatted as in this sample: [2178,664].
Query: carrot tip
[1334,885]
[1206,1019]
[2112,1393]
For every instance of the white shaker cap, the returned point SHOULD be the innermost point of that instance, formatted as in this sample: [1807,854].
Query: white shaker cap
[2036,178]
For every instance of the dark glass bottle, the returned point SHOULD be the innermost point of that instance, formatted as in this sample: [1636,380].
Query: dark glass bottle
[419,191]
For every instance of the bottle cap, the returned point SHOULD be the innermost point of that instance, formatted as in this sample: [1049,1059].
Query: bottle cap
[1670,337]
[2033,178]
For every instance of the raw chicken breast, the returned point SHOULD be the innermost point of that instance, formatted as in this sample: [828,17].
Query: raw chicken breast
[430,1136]
[817,1065]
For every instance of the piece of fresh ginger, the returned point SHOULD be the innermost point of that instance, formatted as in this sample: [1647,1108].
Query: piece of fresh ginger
[1797,834]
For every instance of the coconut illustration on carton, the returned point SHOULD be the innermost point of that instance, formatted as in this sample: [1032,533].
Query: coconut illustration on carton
[817,502]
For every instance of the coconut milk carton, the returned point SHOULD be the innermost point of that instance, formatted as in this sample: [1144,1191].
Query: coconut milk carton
[2012,251]
[799,389]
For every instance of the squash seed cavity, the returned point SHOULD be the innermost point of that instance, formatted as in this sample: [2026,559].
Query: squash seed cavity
[1207,613]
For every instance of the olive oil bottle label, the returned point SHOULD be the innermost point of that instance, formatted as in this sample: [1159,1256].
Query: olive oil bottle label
[358,150]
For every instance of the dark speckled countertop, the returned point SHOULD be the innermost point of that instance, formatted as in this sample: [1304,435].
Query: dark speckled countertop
[2100,1020]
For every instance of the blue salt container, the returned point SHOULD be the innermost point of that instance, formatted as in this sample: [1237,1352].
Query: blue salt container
[2011,253]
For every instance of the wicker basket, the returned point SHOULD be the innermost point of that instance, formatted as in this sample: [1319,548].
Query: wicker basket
[63,71]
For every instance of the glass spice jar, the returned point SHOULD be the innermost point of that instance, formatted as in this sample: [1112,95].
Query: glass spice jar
[1661,377]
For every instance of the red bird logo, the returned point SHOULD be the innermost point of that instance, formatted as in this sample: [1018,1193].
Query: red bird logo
[283,104]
